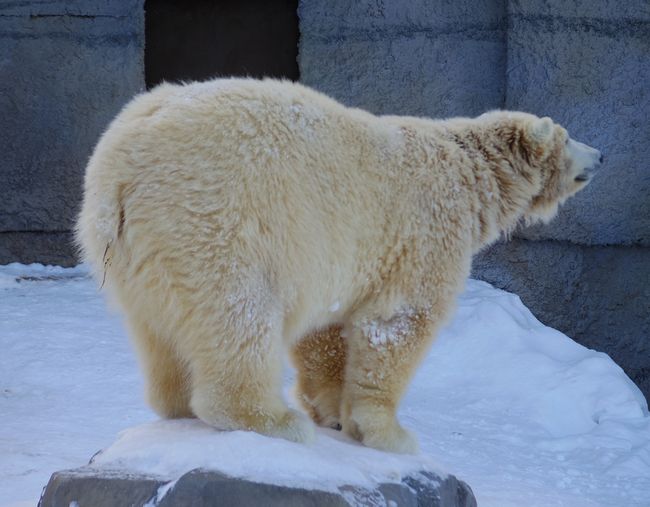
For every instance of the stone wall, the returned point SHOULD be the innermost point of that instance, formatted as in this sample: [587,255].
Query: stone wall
[67,67]
[418,57]
[585,63]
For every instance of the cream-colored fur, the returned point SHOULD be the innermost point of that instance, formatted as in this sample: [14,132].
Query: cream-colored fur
[235,219]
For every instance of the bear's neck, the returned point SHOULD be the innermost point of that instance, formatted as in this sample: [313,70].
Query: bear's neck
[499,192]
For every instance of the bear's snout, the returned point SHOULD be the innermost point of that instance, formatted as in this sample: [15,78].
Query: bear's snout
[586,158]
[598,160]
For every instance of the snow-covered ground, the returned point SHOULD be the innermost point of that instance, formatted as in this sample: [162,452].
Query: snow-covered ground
[519,411]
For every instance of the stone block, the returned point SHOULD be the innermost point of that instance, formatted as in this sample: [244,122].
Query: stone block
[418,58]
[339,16]
[67,67]
[201,488]
[80,8]
[605,9]
[55,248]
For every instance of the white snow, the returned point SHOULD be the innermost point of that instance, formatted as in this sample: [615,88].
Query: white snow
[518,410]
[171,448]
[381,334]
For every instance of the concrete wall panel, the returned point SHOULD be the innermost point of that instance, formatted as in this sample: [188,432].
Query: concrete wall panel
[436,59]
[64,77]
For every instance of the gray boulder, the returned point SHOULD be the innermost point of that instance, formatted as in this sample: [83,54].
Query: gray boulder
[99,487]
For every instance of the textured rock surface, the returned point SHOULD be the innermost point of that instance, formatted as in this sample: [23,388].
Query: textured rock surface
[67,69]
[587,65]
[102,488]
[45,247]
[418,57]
[87,487]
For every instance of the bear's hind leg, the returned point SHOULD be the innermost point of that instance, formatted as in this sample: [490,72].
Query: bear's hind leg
[167,377]
[319,359]
[237,381]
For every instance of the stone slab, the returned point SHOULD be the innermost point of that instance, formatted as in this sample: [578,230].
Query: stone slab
[54,248]
[87,8]
[94,487]
[605,9]
[417,58]
[330,18]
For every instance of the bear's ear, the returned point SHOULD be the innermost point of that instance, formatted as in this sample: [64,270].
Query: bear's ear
[537,138]
[540,131]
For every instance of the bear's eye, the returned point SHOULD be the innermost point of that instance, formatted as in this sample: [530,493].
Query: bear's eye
[566,141]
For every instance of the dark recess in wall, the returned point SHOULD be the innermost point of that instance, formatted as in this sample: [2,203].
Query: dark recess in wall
[202,39]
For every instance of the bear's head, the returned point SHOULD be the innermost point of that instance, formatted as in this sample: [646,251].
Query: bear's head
[567,165]
[555,165]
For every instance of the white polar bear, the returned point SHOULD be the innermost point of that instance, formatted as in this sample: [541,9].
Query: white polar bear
[234,219]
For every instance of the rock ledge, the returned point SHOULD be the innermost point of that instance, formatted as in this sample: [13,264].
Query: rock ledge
[99,487]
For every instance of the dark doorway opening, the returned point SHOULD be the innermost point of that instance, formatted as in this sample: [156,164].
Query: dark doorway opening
[201,39]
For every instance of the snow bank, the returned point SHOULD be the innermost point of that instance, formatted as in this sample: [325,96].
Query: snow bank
[15,273]
[502,353]
[527,416]
[518,410]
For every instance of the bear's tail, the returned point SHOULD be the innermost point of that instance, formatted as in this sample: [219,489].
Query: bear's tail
[101,221]
[100,226]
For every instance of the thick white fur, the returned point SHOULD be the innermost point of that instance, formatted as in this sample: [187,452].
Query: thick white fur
[235,219]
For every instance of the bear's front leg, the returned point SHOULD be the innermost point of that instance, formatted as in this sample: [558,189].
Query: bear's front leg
[382,356]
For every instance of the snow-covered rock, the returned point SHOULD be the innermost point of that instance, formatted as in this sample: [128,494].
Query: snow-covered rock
[185,462]
[201,488]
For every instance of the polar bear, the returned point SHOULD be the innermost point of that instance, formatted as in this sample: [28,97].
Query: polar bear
[235,219]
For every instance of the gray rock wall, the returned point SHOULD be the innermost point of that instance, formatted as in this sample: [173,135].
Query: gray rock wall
[201,488]
[67,67]
[414,57]
[585,63]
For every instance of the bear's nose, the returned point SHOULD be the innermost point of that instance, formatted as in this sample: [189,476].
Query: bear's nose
[597,159]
